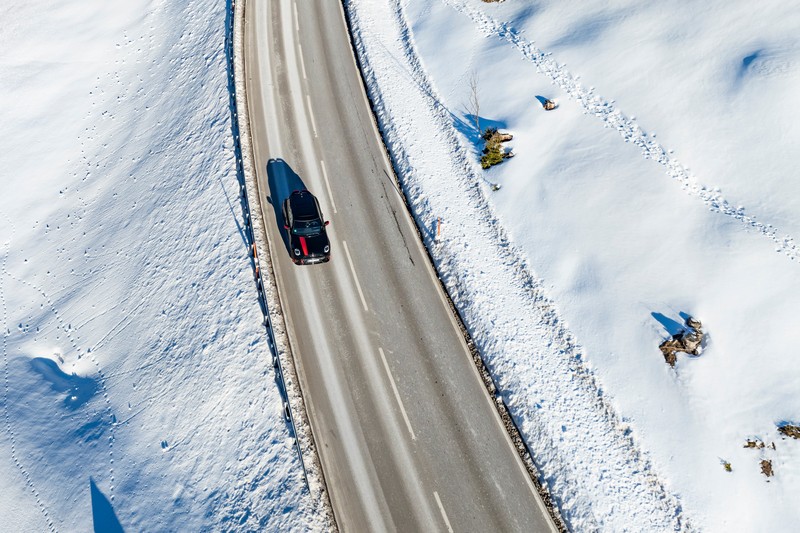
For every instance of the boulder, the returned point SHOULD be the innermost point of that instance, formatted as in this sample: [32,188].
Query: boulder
[688,341]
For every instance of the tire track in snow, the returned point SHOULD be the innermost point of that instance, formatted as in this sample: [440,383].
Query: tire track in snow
[596,105]
[6,333]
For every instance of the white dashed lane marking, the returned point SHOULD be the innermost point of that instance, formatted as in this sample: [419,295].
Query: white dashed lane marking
[355,278]
[311,115]
[397,395]
[444,514]
[327,184]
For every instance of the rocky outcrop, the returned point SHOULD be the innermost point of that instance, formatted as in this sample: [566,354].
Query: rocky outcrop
[689,340]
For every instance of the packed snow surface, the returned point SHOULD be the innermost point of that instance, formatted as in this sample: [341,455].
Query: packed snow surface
[138,388]
[606,236]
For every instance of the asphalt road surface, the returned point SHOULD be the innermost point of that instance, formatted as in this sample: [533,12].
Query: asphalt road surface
[408,437]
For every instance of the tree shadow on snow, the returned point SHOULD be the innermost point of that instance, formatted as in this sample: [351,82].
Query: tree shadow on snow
[673,327]
[103,516]
[467,127]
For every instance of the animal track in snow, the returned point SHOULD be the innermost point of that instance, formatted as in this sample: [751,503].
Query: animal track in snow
[70,332]
[593,104]
[9,429]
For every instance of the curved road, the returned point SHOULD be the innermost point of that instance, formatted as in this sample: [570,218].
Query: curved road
[408,437]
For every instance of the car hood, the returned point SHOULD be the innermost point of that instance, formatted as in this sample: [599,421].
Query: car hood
[310,245]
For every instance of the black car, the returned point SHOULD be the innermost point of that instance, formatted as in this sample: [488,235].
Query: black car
[305,226]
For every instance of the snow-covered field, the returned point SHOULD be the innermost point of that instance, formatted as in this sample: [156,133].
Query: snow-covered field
[137,383]
[605,236]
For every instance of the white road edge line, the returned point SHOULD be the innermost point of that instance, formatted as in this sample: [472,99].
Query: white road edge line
[296,23]
[444,515]
[327,184]
[355,278]
[311,115]
[302,61]
[397,394]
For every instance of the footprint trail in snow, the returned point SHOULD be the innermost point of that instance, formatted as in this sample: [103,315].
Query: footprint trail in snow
[605,110]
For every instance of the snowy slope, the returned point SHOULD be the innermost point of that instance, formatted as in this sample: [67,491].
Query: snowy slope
[136,378]
[605,235]
[137,383]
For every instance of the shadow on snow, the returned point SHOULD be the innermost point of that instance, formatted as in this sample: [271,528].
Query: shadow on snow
[103,516]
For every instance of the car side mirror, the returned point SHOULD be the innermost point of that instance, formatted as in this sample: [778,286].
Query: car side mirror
[327,222]
[285,226]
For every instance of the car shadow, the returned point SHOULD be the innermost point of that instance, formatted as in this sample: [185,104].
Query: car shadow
[282,181]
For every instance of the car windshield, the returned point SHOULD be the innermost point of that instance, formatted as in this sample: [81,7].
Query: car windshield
[306,227]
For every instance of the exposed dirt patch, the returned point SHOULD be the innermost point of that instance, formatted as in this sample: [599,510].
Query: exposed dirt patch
[790,430]
[766,468]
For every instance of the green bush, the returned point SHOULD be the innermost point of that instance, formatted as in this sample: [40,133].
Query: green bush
[492,156]
[493,150]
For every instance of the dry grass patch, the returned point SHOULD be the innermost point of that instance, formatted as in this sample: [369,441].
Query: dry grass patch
[790,430]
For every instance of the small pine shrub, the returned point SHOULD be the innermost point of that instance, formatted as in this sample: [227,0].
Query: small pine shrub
[493,155]
[493,150]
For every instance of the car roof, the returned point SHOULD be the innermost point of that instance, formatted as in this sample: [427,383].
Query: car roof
[304,205]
